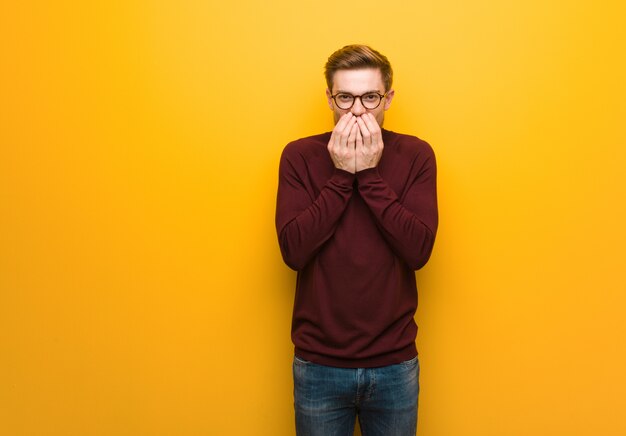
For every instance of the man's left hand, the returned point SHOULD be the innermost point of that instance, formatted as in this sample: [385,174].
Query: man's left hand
[369,142]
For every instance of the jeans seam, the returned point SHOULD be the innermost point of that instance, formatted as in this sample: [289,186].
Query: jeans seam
[372,389]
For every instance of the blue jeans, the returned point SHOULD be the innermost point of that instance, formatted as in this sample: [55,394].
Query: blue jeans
[327,400]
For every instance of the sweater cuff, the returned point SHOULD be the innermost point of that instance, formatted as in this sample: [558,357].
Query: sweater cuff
[342,177]
[368,175]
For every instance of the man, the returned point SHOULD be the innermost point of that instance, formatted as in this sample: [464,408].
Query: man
[356,215]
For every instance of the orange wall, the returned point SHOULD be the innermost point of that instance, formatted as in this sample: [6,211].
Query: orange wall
[141,286]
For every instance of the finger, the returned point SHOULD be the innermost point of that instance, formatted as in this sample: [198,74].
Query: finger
[347,130]
[373,127]
[352,137]
[372,124]
[365,132]
[359,138]
[341,124]
[362,125]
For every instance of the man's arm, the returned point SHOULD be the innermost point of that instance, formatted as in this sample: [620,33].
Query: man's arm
[410,225]
[304,223]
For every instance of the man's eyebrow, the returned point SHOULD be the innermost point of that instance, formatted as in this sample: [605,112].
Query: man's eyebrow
[366,92]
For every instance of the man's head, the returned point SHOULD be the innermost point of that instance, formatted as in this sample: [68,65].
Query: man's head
[359,70]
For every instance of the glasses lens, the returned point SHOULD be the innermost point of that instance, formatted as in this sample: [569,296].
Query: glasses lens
[371,101]
[344,101]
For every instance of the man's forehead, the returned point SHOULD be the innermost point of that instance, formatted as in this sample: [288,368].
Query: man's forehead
[363,80]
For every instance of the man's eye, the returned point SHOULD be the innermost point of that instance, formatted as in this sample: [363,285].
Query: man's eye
[370,97]
[344,97]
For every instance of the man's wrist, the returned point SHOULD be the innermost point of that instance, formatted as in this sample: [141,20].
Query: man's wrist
[343,177]
[367,173]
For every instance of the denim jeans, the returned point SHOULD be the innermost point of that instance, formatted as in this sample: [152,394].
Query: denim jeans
[328,400]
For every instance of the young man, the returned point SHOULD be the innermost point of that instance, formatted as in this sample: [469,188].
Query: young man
[356,215]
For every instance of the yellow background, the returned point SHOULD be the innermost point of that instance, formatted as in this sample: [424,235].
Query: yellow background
[141,286]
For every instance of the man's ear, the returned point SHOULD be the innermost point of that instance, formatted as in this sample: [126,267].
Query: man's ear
[329,98]
[390,95]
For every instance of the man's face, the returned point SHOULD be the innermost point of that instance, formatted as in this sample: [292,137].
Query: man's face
[359,82]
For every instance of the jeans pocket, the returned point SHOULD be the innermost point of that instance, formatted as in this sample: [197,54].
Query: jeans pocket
[411,363]
[299,361]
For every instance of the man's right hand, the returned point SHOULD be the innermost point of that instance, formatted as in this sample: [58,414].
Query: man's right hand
[342,144]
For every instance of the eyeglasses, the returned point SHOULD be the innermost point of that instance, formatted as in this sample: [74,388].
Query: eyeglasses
[371,100]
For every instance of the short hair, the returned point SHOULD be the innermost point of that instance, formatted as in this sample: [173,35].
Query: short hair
[357,56]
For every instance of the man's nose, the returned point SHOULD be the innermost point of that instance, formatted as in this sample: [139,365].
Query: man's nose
[357,108]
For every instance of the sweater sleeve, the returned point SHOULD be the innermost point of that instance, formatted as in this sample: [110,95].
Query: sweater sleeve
[304,223]
[409,225]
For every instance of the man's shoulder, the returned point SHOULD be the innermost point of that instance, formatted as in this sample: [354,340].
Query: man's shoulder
[309,145]
[310,141]
[407,144]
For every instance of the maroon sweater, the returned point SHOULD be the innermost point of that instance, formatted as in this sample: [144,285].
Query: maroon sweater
[355,240]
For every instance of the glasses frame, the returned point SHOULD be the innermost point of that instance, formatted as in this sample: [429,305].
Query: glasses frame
[354,97]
